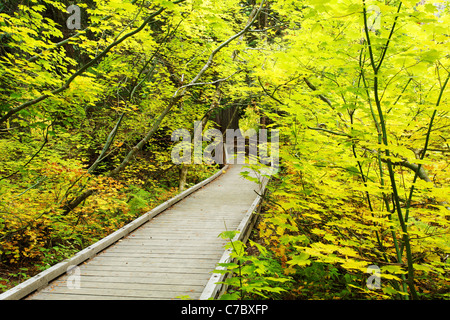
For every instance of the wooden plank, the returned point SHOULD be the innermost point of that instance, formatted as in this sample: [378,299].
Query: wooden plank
[150,246]
[173,258]
[178,236]
[139,277]
[152,264]
[176,230]
[123,292]
[216,222]
[181,236]
[134,286]
[158,274]
[146,263]
[163,255]
[169,251]
[195,220]
[132,280]
[160,295]
[185,271]
[150,259]
[162,242]
[74,296]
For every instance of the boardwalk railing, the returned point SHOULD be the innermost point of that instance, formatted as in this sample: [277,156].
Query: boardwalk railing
[215,286]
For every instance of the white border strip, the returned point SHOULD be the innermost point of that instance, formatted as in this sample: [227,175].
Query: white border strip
[213,289]
[42,279]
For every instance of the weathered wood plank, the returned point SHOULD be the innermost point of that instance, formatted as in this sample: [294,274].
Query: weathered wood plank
[169,251]
[74,296]
[167,242]
[169,287]
[132,275]
[147,276]
[157,274]
[198,237]
[145,268]
[182,256]
[65,297]
[152,264]
[123,292]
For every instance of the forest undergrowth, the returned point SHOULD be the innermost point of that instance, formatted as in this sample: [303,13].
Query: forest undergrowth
[321,253]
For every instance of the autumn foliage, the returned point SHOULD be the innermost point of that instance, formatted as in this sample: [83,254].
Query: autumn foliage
[358,90]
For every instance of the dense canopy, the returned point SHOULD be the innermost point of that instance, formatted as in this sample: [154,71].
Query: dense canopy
[358,89]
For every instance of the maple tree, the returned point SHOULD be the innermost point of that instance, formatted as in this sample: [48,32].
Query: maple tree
[365,149]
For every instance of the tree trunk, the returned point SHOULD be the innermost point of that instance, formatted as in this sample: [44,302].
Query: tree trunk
[183,177]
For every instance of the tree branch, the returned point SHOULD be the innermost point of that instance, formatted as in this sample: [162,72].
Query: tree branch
[63,42]
[205,83]
[221,46]
[269,94]
[418,169]
[343,134]
[321,97]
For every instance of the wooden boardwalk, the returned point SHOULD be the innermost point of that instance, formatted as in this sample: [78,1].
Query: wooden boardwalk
[170,256]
